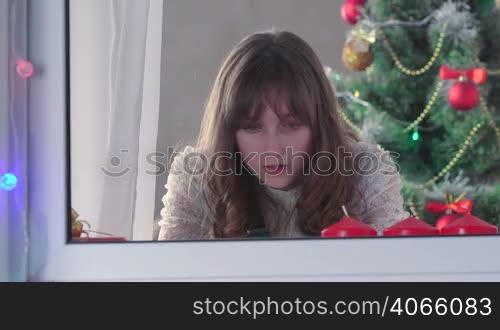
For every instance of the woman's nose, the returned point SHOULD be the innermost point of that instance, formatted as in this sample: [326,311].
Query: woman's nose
[274,143]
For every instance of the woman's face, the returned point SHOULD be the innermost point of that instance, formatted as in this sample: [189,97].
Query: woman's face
[275,147]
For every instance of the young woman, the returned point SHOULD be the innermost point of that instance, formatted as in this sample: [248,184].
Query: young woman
[273,153]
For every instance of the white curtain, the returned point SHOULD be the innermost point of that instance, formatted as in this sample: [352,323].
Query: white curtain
[13,137]
[115,86]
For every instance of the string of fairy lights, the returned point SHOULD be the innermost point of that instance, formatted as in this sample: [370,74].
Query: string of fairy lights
[25,70]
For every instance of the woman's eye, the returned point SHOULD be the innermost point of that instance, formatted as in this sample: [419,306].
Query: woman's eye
[251,128]
[292,125]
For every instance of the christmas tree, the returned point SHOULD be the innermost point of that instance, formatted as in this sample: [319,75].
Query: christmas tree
[427,89]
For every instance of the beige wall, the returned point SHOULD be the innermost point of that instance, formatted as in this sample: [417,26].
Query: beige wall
[199,33]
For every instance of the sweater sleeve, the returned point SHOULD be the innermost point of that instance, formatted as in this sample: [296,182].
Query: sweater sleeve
[184,215]
[379,183]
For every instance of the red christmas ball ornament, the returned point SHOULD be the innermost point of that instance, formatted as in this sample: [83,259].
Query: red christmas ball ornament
[469,225]
[411,227]
[446,220]
[463,95]
[350,12]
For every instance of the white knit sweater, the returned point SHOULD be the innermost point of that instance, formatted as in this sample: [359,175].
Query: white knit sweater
[185,215]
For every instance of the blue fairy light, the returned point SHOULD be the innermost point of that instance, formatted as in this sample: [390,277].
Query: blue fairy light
[8,182]
[415,136]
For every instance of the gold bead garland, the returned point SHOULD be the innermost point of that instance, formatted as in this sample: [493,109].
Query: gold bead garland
[349,122]
[413,209]
[493,72]
[423,69]
[355,127]
[427,108]
[491,121]
[458,155]
[417,121]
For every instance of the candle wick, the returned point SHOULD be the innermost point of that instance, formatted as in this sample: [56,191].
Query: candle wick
[345,211]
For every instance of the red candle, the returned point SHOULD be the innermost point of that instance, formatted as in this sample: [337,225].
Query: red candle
[411,227]
[446,219]
[348,227]
[469,225]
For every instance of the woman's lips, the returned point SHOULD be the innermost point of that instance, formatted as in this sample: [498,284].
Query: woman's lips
[275,169]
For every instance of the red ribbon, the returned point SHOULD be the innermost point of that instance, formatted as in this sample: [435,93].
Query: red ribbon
[476,75]
[463,206]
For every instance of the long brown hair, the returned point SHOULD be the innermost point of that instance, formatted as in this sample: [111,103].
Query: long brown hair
[279,60]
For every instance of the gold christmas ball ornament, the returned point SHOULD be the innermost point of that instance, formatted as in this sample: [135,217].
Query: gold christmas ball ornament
[357,55]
